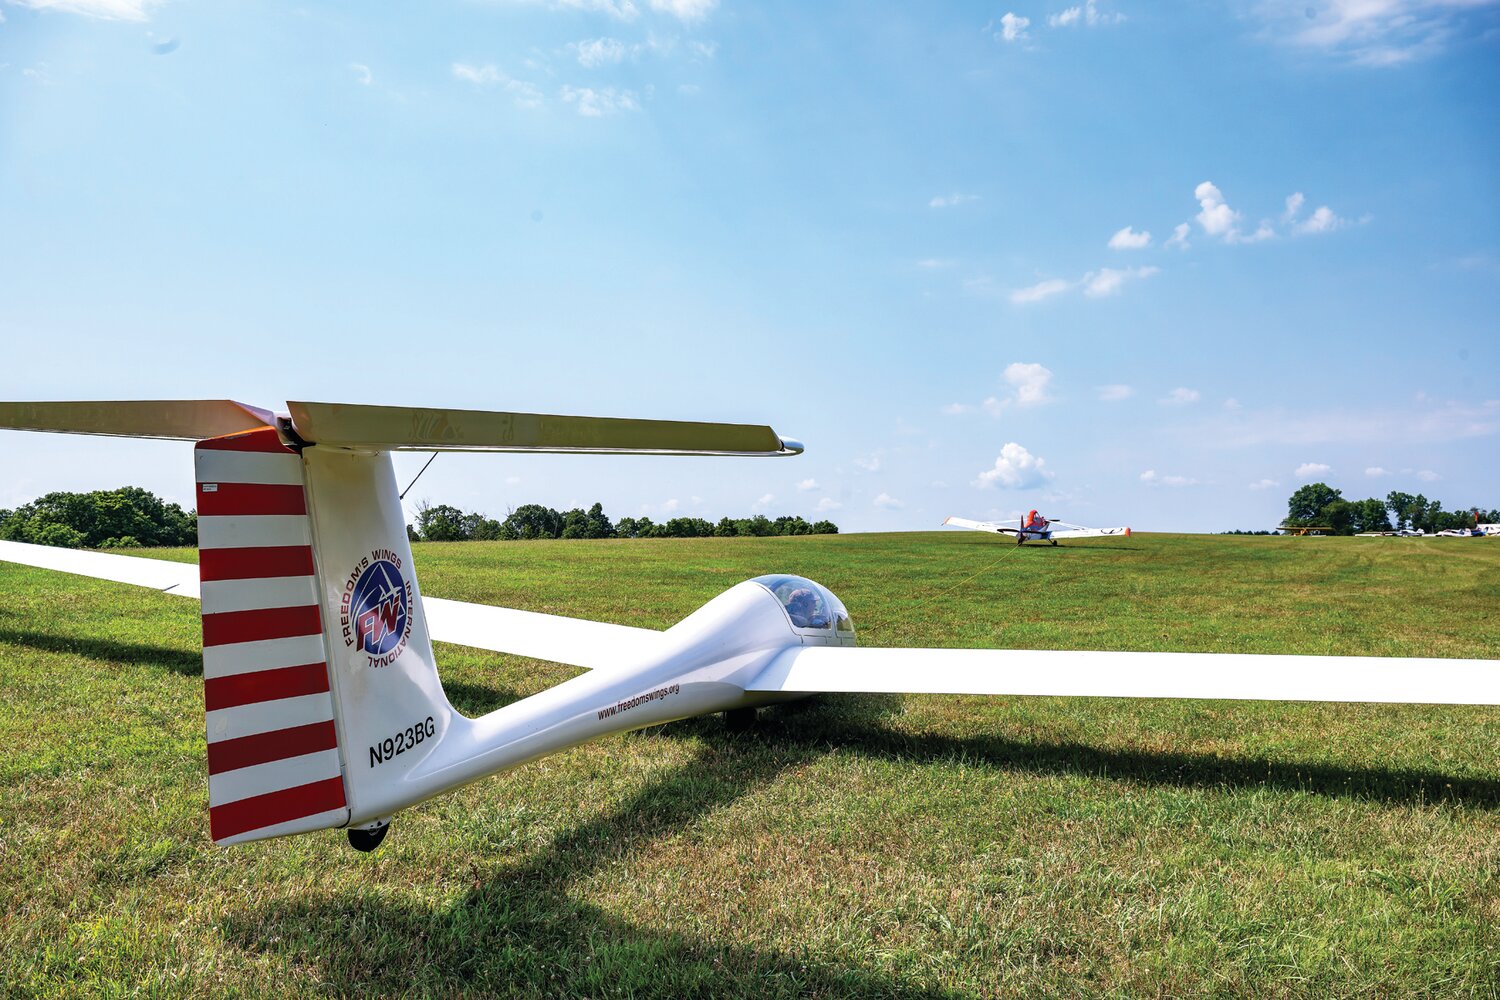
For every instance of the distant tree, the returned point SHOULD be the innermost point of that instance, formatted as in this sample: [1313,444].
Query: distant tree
[478,528]
[1400,505]
[598,523]
[1338,516]
[825,528]
[99,518]
[1305,506]
[726,528]
[532,520]
[1369,515]
[440,523]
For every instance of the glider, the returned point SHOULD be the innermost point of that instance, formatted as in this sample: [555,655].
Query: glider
[323,704]
[1036,528]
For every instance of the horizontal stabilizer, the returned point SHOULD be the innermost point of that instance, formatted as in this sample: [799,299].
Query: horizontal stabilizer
[1243,676]
[170,419]
[387,428]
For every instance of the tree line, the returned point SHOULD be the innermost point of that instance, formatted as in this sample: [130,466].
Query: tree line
[446,523]
[104,519]
[1320,505]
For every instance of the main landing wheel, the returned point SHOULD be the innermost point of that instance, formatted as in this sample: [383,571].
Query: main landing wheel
[1054,541]
[366,839]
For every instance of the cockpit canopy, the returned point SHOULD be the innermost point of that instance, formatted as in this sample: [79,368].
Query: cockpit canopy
[810,606]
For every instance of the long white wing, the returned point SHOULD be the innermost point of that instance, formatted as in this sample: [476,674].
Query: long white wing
[176,578]
[1132,675]
[574,641]
[1072,531]
[1003,527]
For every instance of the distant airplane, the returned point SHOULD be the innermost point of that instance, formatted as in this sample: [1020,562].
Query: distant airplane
[1035,528]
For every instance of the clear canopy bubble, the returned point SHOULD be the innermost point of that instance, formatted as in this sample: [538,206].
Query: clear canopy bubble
[809,605]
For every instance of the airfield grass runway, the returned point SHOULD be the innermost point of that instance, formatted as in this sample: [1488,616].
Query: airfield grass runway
[852,846]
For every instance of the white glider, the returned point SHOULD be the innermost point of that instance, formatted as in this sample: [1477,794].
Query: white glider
[322,698]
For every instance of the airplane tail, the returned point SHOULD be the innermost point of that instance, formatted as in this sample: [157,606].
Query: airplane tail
[321,691]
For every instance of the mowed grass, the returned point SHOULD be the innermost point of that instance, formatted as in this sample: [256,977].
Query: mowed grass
[852,846]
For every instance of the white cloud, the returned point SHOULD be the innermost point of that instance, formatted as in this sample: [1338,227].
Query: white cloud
[1428,476]
[888,502]
[827,504]
[765,501]
[957,409]
[950,200]
[1129,239]
[1216,217]
[994,406]
[620,10]
[1179,237]
[1115,393]
[105,10]
[1375,471]
[1030,381]
[806,485]
[1293,206]
[703,50]
[1233,404]
[596,52]
[524,94]
[1015,469]
[1321,221]
[1108,280]
[685,10]
[670,506]
[1041,290]
[362,73]
[934,263]
[1308,470]
[1264,484]
[1151,478]
[1181,396]
[1370,32]
[868,463]
[597,103]
[1013,27]
[1088,14]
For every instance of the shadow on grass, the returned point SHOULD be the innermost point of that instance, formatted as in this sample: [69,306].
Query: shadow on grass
[107,650]
[810,731]
[522,931]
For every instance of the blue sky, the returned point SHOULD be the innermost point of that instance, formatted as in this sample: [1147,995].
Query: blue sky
[1128,263]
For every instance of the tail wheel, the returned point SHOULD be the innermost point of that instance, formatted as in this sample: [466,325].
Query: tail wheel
[366,839]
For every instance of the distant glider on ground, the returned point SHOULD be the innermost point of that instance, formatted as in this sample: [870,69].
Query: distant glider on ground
[1036,528]
[324,707]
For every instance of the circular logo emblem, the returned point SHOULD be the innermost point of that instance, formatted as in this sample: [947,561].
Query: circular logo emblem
[379,606]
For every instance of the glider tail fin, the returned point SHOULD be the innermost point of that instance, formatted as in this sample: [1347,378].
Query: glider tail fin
[320,687]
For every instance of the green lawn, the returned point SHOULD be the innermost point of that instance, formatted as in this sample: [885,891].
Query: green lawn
[861,846]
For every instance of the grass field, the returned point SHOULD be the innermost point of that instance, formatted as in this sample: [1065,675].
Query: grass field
[852,846]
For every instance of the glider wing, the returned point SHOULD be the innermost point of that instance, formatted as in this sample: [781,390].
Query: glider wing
[808,669]
[574,641]
[1003,527]
[1074,531]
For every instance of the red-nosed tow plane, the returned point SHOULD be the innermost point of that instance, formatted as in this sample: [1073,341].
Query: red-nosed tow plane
[323,702]
[1036,528]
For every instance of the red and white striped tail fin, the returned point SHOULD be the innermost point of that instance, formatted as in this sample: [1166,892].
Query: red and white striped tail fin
[274,766]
